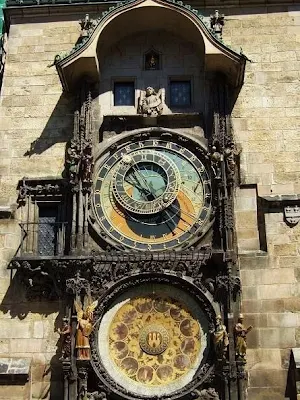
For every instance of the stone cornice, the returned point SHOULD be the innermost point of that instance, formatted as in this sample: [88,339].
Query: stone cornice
[44,7]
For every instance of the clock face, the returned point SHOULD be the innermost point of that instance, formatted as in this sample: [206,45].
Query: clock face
[152,195]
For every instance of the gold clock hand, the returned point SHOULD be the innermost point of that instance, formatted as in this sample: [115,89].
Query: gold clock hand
[185,212]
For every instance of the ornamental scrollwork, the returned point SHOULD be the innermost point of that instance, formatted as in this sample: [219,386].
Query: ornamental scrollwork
[35,188]
[206,394]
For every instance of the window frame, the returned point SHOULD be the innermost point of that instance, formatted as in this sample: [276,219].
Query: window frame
[124,80]
[175,79]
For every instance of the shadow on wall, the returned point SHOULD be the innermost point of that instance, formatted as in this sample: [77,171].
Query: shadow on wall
[46,379]
[59,128]
[293,376]
[20,300]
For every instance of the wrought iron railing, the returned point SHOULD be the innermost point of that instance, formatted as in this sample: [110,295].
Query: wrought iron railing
[43,239]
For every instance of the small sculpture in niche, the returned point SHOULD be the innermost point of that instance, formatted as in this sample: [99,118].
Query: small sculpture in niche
[240,335]
[152,61]
[65,334]
[151,102]
[220,339]
[84,328]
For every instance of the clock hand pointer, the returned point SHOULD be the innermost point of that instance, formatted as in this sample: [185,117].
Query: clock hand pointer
[185,212]
[141,189]
[137,171]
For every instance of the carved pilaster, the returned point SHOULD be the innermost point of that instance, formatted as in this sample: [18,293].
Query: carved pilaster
[79,166]
[82,368]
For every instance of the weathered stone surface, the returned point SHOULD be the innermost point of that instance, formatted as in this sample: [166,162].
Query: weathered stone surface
[15,366]
[266,393]
[263,359]
[281,338]
[269,378]
[35,116]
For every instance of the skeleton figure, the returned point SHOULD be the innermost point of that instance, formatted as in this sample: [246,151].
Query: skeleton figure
[65,334]
[150,102]
[84,328]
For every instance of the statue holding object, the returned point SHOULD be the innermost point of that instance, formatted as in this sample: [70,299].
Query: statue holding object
[240,334]
[220,339]
[84,328]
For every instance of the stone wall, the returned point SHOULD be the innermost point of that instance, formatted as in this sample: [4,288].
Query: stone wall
[266,124]
[36,118]
[36,121]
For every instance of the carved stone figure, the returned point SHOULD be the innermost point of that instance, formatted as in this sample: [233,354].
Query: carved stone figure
[97,396]
[84,329]
[229,161]
[240,334]
[220,338]
[72,161]
[217,23]
[87,164]
[151,102]
[86,24]
[216,159]
[65,334]
[206,394]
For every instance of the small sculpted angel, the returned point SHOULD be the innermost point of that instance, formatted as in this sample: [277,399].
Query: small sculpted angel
[84,328]
[151,102]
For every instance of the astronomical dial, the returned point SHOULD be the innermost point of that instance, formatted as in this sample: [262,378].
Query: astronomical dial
[152,195]
[146,181]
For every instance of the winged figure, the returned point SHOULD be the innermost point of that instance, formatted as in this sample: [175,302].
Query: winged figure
[151,102]
[84,328]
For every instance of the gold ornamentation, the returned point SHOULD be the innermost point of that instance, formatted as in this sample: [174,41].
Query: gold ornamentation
[84,328]
[154,340]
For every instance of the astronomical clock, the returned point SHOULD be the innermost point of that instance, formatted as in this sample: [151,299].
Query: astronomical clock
[136,237]
[152,199]
[152,192]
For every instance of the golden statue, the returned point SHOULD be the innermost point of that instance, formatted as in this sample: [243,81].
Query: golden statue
[240,334]
[84,328]
[220,338]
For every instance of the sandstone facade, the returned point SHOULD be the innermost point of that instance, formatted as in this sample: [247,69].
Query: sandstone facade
[36,120]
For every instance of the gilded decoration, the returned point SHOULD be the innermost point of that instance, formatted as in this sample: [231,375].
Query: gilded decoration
[84,328]
[154,340]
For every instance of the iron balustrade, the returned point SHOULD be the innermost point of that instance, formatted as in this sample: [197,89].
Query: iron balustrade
[43,239]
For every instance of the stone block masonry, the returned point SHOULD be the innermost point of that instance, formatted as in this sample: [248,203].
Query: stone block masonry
[266,124]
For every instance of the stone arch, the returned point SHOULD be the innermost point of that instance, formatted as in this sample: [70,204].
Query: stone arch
[138,15]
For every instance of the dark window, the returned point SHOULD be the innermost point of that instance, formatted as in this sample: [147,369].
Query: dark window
[124,94]
[48,230]
[180,93]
